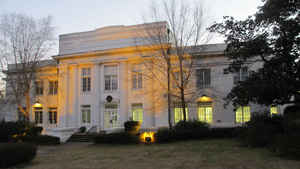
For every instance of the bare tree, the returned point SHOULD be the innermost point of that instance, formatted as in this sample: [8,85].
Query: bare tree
[24,42]
[180,28]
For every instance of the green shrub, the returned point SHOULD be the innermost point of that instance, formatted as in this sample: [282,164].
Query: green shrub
[190,130]
[131,126]
[41,139]
[287,145]
[292,119]
[15,153]
[262,129]
[11,131]
[82,129]
[116,138]
[34,131]
[164,135]
[231,132]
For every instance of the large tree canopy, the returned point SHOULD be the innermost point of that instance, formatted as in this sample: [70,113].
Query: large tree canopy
[270,36]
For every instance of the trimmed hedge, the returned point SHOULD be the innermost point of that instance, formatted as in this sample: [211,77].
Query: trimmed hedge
[10,131]
[190,130]
[41,139]
[262,130]
[287,146]
[164,135]
[116,138]
[132,127]
[16,153]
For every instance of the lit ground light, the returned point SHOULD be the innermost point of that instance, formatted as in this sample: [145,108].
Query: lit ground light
[208,154]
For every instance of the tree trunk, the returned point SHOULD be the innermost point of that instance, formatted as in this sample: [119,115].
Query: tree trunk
[169,96]
[28,105]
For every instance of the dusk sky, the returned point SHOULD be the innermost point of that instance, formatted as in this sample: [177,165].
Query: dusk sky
[84,15]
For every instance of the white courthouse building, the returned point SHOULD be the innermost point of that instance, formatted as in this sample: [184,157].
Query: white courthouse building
[97,81]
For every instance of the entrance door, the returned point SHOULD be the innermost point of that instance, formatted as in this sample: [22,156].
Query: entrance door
[111,116]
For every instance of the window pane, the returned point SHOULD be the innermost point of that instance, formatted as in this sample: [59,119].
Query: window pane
[107,83]
[208,114]
[274,110]
[88,120]
[239,115]
[134,81]
[201,113]
[83,116]
[203,78]
[114,82]
[140,80]
[179,114]
[137,112]
[88,84]
[247,114]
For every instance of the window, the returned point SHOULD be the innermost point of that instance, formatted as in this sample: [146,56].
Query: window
[274,110]
[137,80]
[205,112]
[110,78]
[203,78]
[178,113]
[137,112]
[52,115]
[242,114]
[85,114]
[39,88]
[38,115]
[53,86]
[86,79]
[241,75]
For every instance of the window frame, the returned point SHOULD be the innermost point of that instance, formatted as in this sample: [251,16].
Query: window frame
[38,115]
[53,87]
[241,119]
[39,88]
[208,118]
[52,115]
[86,79]
[205,73]
[137,108]
[137,80]
[111,78]
[178,112]
[240,76]
[86,113]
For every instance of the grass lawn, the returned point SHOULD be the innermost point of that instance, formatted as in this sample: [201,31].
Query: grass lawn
[207,154]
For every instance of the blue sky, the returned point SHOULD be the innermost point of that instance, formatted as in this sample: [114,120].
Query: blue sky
[84,15]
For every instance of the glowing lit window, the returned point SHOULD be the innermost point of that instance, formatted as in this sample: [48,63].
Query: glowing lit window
[242,114]
[86,79]
[137,112]
[86,114]
[205,112]
[274,110]
[178,114]
[38,115]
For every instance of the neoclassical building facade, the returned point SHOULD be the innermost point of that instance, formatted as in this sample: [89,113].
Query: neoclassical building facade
[97,80]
